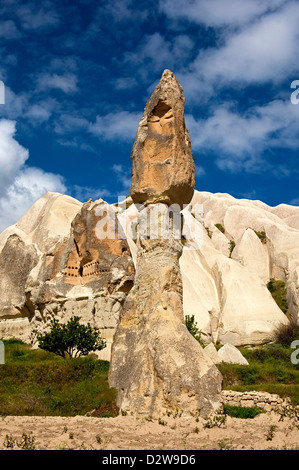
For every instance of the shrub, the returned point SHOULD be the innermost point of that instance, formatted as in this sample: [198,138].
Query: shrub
[208,232]
[262,236]
[191,325]
[27,442]
[286,334]
[72,339]
[232,245]
[220,227]
[243,412]
[279,293]
[248,374]
[9,442]
[218,420]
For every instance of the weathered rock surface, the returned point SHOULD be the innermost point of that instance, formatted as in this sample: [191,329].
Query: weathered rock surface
[231,355]
[22,247]
[211,352]
[156,365]
[227,295]
[70,270]
[163,167]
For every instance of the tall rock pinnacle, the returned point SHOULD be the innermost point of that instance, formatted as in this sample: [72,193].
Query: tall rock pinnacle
[156,364]
[163,167]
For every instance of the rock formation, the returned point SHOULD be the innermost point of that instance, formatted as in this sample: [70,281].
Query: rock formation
[231,355]
[216,284]
[156,365]
[62,268]
[163,167]
[227,292]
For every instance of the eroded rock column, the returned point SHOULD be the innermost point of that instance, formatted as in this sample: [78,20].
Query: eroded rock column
[156,365]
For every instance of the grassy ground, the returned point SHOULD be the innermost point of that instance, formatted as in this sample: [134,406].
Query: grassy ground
[35,382]
[270,369]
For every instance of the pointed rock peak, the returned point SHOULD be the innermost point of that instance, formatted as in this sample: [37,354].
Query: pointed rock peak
[163,167]
[168,90]
[168,79]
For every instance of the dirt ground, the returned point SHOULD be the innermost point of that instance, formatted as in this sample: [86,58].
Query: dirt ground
[265,431]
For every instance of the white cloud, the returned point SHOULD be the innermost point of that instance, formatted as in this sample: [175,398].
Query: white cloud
[258,51]
[25,105]
[122,10]
[69,123]
[38,113]
[8,30]
[199,171]
[66,83]
[239,140]
[124,176]
[256,44]
[125,83]
[156,53]
[29,185]
[15,104]
[20,186]
[262,52]
[12,154]
[33,17]
[121,125]
[218,13]
[83,193]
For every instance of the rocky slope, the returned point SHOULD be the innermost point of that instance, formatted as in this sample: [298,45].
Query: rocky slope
[53,264]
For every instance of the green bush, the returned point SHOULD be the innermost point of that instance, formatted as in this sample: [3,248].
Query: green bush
[72,339]
[191,325]
[208,232]
[220,227]
[279,293]
[232,245]
[243,412]
[262,236]
[285,334]
[248,374]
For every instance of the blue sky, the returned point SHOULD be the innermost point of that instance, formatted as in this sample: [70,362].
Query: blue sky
[77,76]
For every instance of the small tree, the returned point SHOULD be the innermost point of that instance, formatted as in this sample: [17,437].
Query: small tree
[191,325]
[71,339]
